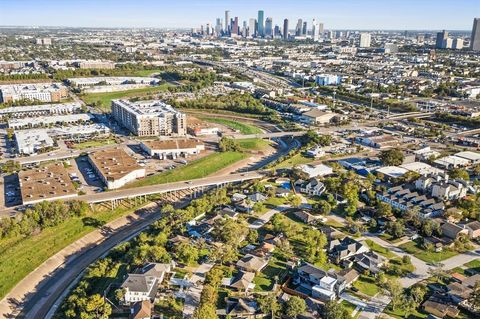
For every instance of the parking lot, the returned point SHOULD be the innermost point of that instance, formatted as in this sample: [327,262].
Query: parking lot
[85,175]
[11,194]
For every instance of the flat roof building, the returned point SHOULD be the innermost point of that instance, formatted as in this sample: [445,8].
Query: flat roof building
[149,118]
[115,167]
[31,141]
[50,182]
[37,110]
[45,92]
[42,121]
[173,148]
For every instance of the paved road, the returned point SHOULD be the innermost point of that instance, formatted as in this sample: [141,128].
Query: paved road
[69,264]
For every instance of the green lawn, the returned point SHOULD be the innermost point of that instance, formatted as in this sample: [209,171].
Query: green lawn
[398,313]
[105,98]
[366,285]
[379,249]
[254,144]
[234,125]
[94,143]
[418,251]
[350,308]
[297,159]
[19,256]
[264,281]
[473,264]
[196,169]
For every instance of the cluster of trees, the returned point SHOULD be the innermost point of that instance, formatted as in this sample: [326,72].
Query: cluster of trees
[311,138]
[9,167]
[207,308]
[228,145]
[85,301]
[235,102]
[392,157]
[231,233]
[406,300]
[128,69]
[292,307]
[40,216]
[472,122]
[313,241]
[21,77]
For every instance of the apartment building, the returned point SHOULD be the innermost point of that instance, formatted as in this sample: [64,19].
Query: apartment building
[45,92]
[38,110]
[94,64]
[149,118]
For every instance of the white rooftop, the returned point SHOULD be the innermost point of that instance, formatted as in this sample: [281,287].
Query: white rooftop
[392,171]
[316,170]
[472,156]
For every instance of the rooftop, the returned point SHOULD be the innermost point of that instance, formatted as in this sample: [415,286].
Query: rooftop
[114,163]
[146,108]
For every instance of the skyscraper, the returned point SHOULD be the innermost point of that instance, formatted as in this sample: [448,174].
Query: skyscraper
[298,29]
[475,39]
[227,22]
[315,30]
[285,29]
[251,27]
[261,30]
[365,40]
[304,29]
[235,26]
[268,32]
[441,41]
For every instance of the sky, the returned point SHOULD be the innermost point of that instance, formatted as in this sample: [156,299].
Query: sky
[335,14]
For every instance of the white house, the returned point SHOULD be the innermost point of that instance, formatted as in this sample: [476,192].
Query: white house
[315,170]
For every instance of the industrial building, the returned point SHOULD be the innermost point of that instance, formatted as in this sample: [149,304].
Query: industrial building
[115,167]
[149,118]
[173,148]
[50,182]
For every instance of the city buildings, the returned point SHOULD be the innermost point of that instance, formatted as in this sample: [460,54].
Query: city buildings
[115,167]
[44,92]
[365,40]
[38,110]
[32,141]
[475,38]
[260,23]
[95,64]
[173,148]
[149,118]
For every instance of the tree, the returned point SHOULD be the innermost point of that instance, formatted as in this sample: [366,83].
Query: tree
[186,253]
[252,236]
[323,207]
[258,207]
[393,288]
[295,200]
[295,306]
[315,242]
[269,305]
[384,209]
[392,157]
[334,310]
[228,145]
[396,228]
[459,173]
[474,298]
[96,307]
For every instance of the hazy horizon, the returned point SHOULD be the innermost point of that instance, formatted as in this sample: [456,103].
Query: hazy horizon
[344,14]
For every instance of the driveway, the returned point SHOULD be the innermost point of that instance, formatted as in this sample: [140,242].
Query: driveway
[265,218]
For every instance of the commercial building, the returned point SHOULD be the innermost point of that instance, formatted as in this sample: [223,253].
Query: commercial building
[32,141]
[94,64]
[115,167]
[285,29]
[318,117]
[475,38]
[50,182]
[378,141]
[260,22]
[38,110]
[365,40]
[42,121]
[45,92]
[199,128]
[117,80]
[173,148]
[149,118]
[328,79]
[441,42]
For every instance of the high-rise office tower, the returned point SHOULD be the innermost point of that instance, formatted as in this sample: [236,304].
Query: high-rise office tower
[475,38]
[268,32]
[315,30]
[285,29]
[365,40]
[441,40]
[457,44]
[304,29]
[320,28]
[420,39]
[244,29]
[261,30]
[298,29]
[276,32]
[251,27]
[218,26]
[227,22]
[235,26]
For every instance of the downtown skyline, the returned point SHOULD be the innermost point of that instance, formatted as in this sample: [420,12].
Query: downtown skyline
[349,14]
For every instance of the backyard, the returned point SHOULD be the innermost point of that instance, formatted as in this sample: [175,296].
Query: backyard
[416,249]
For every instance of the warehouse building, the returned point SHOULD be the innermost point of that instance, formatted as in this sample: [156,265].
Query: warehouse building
[164,149]
[50,182]
[115,167]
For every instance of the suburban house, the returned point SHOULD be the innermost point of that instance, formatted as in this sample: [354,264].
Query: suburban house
[244,308]
[252,263]
[242,281]
[141,310]
[369,261]
[346,248]
[440,306]
[312,187]
[473,229]
[306,217]
[453,231]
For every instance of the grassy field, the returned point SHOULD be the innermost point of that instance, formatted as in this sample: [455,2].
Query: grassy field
[19,256]
[366,285]
[415,249]
[266,278]
[379,249]
[297,159]
[253,144]
[196,169]
[234,125]
[94,143]
[105,98]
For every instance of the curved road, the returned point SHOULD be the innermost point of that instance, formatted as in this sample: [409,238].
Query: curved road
[43,302]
